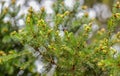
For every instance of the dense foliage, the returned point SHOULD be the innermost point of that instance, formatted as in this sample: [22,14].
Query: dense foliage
[60,39]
